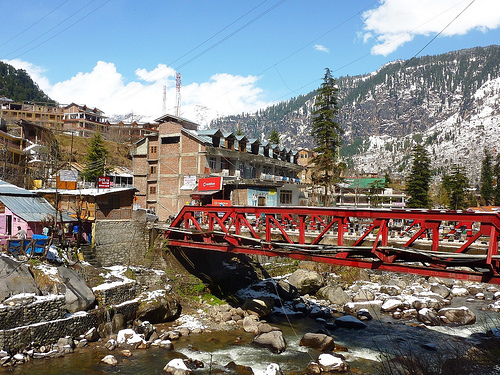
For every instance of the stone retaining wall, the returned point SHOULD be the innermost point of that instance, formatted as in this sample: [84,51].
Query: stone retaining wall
[45,333]
[120,242]
[32,311]
[117,294]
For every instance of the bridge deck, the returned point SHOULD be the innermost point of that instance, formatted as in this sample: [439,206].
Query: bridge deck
[461,245]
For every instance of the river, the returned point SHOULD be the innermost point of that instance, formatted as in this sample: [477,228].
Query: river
[218,348]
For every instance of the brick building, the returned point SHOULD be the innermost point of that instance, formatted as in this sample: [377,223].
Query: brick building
[49,116]
[168,167]
[84,121]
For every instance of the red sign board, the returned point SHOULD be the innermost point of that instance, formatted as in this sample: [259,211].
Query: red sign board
[210,183]
[104,182]
[221,202]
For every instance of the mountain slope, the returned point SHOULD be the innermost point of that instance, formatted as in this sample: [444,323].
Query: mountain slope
[449,101]
[17,85]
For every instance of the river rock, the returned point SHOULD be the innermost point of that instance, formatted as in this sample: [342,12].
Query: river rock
[364,314]
[16,278]
[306,282]
[327,363]
[273,369]
[459,291]
[391,304]
[286,291]
[334,294]
[354,307]
[391,290]
[266,327]
[144,328]
[250,325]
[91,335]
[349,321]
[272,340]
[110,360]
[459,315]
[177,367]
[79,297]
[364,295]
[233,368]
[261,307]
[111,344]
[428,317]
[159,310]
[318,341]
[440,289]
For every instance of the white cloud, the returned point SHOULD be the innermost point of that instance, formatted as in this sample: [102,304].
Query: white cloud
[321,48]
[104,87]
[396,22]
[35,72]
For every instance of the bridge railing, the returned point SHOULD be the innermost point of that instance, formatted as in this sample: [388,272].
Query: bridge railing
[435,238]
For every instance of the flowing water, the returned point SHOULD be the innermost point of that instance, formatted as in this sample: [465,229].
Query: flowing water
[216,349]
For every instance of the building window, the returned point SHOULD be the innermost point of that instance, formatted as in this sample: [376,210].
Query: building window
[153,169]
[212,163]
[285,197]
[153,149]
[152,190]
[170,140]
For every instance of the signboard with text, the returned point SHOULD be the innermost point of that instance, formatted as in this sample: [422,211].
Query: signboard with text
[104,182]
[210,183]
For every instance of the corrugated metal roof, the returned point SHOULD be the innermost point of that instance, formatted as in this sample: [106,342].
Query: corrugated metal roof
[31,209]
[9,189]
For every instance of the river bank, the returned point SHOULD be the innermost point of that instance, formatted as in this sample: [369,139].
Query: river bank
[390,315]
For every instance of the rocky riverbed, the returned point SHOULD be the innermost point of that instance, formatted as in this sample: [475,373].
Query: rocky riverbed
[386,319]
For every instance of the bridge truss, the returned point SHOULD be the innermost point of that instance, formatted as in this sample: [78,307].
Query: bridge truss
[453,244]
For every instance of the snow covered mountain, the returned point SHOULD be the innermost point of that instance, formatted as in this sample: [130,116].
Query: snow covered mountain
[450,102]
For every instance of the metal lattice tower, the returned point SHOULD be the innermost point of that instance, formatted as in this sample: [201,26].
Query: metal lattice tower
[178,94]
[164,109]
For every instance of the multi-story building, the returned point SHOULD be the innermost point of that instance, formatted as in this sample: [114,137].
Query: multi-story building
[12,160]
[169,166]
[129,133]
[49,116]
[83,121]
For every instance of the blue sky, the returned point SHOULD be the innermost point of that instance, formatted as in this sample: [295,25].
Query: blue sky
[233,56]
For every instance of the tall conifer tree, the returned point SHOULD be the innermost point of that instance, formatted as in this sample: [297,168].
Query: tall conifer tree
[456,184]
[326,132]
[96,159]
[487,178]
[274,137]
[417,186]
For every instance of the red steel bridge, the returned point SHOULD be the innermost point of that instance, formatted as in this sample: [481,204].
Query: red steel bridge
[453,244]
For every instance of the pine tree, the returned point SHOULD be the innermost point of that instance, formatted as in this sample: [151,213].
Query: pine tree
[326,132]
[274,137]
[456,185]
[417,186]
[96,159]
[496,171]
[487,178]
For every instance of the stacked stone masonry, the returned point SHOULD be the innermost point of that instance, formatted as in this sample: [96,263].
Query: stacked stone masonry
[43,322]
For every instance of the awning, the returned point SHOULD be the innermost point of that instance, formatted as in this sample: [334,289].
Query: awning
[188,186]
[204,192]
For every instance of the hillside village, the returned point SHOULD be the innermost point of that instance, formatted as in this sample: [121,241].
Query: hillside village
[50,211]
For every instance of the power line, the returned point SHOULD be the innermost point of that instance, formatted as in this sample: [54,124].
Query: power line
[444,28]
[260,15]
[56,26]
[35,23]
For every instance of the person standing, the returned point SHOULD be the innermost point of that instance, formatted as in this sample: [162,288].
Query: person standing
[21,233]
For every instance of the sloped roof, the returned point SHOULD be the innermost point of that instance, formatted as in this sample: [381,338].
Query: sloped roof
[363,183]
[9,189]
[31,208]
